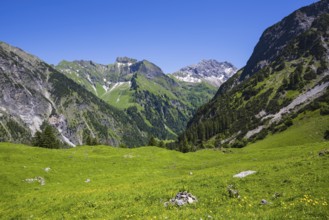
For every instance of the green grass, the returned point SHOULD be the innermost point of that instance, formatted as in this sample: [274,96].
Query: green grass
[153,87]
[100,90]
[308,127]
[120,97]
[135,183]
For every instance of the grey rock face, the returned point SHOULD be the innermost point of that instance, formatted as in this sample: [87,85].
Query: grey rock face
[33,93]
[210,71]
[276,38]
[24,88]
[125,60]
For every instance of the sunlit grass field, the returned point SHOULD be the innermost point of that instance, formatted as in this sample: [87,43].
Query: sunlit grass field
[135,183]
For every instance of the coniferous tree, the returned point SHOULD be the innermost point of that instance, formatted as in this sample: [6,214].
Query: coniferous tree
[152,142]
[46,138]
[161,144]
[184,147]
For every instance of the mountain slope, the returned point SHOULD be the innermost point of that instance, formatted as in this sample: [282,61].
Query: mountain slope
[34,93]
[158,103]
[276,38]
[262,99]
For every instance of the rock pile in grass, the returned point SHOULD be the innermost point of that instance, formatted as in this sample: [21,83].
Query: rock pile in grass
[38,179]
[181,198]
[323,152]
[233,192]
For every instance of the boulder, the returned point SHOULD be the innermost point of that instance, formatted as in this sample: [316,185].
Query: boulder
[232,192]
[244,174]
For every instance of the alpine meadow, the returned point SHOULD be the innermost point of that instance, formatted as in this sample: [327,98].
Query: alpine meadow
[125,140]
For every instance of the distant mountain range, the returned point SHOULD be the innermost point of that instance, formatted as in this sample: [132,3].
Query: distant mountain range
[160,104]
[127,102]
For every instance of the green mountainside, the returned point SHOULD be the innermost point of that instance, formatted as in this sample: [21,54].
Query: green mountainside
[34,94]
[158,103]
[276,85]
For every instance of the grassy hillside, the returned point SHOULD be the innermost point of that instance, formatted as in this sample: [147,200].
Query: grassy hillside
[281,78]
[159,104]
[135,183]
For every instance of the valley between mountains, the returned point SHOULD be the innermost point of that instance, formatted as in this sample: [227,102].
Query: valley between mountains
[124,140]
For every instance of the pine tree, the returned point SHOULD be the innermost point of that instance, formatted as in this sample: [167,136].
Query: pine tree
[152,142]
[49,138]
[37,139]
[46,138]
[161,144]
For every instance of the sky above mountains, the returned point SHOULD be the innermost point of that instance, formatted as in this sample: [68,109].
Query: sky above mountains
[169,33]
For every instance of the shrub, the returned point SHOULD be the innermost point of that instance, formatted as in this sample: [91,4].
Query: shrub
[326,135]
[324,110]
[288,122]
[239,143]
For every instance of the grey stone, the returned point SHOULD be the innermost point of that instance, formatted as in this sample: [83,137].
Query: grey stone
[38,179]
[244,174]
[323,152]
[276,195]
[181,198]
[232,192]
[180,202]
[263,202]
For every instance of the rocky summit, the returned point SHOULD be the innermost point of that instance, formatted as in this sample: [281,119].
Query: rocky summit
[210,71]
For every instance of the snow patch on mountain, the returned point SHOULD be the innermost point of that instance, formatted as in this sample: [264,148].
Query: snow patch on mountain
[188,78]
[94,88]
[118,84]
[89,79]
[105,88]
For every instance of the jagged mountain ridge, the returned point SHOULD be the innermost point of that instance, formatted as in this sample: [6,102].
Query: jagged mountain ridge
[275,38]
[262,99]
[160,103]
[33,92]
[209,71]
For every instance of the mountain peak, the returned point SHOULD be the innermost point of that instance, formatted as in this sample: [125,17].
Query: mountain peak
[125,60]
[275,38]
[209,70]
[145,67]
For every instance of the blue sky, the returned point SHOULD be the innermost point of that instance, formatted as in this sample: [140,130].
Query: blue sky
[169,33]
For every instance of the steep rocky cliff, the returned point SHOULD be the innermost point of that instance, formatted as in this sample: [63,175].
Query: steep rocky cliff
[34,93]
